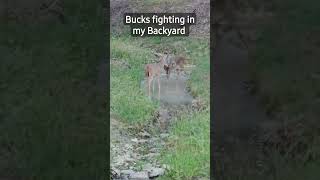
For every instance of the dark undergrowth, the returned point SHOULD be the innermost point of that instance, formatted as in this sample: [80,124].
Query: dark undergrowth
[51,111]
[287,74]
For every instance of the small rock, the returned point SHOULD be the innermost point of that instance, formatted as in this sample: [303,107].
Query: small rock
[155,172]
[144,134]
[164,135]
[143,175]
[128,159]
[127,172]
[153,150]
[142,141]
[147,167]
[164,114]
[135,140]
[128,146]
[154,139]
[165,166]
[139,141]
[135,156]
[124,178]
[162,143]
[151,155]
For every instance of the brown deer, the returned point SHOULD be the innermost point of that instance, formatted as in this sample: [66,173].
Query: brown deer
[170,65]
[176,63]
[154,70]
[180,61]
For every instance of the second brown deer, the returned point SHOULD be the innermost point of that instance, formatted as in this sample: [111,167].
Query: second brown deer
[175,63]
[153,70]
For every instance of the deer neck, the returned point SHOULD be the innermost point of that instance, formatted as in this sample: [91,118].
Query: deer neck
[162,59]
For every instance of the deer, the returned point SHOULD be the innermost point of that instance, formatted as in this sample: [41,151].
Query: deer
[180,61]
[176,63]
[170,65]
[153,70]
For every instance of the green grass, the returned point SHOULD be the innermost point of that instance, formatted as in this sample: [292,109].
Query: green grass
[188,153]
[50,106]
[133,106]
[200,78]
[128,101]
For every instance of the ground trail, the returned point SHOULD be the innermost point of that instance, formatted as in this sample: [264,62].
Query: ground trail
[134,155]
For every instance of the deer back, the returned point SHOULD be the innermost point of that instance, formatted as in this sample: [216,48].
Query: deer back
[180,61]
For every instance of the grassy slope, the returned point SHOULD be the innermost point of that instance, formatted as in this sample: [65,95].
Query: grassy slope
[49,108]
[127,99]
[188,153]
[190,134]
[286,67]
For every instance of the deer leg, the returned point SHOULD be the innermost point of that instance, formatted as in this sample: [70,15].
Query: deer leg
[176,85]
[167,85]
[159,87]
[152,87]
[168,74]
[149,85]
[177,73]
